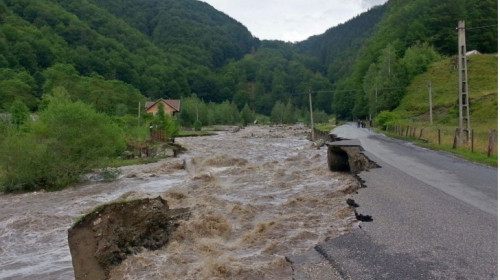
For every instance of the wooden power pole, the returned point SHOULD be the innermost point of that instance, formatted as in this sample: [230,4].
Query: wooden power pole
[430,102]
[312,120]
[463,87]
[139,115]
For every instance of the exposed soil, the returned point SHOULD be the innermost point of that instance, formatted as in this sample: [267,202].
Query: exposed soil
[107,235]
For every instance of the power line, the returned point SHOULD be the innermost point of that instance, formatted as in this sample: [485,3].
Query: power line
[290,94]
[337,90]
[355,90]
[481,27]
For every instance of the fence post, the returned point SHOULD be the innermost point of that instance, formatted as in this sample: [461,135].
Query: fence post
[472,140]
[456,138]
[439,136]
[421,133]
[491,142]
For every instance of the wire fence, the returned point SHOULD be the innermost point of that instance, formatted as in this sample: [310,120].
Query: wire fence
[480,141]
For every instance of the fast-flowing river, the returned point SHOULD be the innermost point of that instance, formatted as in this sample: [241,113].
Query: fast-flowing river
[256,196]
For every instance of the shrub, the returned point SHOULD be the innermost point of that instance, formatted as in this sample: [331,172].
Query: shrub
[386,118]
[247,116]
[20,113]
[109,174]
[23,163]
[68,140]
[197,125]
[166,123]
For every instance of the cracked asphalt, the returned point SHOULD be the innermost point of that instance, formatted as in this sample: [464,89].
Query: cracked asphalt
[435,216]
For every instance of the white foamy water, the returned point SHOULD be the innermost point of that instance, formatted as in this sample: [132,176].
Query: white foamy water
[256,196]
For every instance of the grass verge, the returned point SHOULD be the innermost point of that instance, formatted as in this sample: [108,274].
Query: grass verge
[479,155]
[326,127]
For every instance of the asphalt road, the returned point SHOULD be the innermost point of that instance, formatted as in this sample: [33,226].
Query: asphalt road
[434,217]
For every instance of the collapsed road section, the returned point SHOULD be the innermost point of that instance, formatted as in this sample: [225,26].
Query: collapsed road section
[435,216]
[343,155]
[347,155]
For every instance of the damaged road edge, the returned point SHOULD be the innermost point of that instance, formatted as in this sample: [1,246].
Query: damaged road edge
[347,156]
[344,155]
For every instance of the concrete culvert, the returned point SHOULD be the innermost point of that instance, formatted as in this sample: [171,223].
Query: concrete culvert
[338,160]
[347,156]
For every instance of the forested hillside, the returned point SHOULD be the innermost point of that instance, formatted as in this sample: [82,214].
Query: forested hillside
[191,29]
[338,47]
[410,36]
[111,60]
[276,72]
[112,54]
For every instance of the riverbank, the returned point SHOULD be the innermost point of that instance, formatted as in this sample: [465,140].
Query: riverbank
[256,196]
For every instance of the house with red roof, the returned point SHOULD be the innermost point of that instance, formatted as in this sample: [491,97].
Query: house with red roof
[170,106]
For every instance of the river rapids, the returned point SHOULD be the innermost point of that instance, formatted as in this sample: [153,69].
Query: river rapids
[256,196]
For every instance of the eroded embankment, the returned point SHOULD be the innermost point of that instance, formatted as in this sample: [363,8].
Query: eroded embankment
[255,196]
[107,235]
[347,155]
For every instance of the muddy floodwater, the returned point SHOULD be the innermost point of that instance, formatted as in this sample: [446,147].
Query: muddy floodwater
[256,196]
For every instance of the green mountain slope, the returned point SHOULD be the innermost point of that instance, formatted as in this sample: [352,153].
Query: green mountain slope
[192,29]
[339,46]
[39,38]
[381,61]
[276,72]
[114,53]
[483,92]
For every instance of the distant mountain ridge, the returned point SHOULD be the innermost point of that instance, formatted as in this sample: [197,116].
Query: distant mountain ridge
[175,25]
[115,53]
[343,41]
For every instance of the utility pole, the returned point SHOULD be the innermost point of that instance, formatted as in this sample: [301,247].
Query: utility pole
[463,87]
[430,102]
[312,120]
[139,115]
[197,114]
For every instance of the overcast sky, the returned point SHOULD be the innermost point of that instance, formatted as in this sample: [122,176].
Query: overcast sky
[291,20]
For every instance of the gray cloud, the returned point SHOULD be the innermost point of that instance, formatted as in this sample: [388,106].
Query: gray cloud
[370,3]
[293,20]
